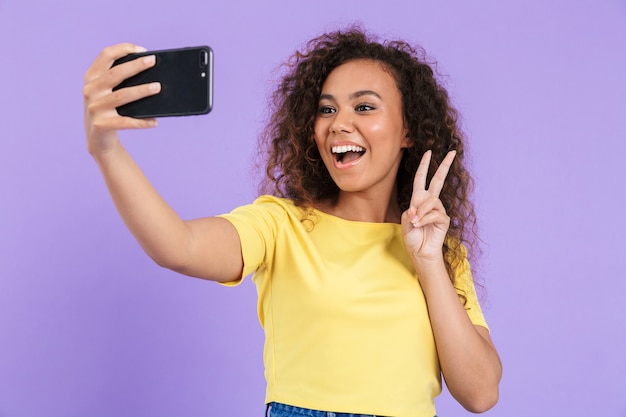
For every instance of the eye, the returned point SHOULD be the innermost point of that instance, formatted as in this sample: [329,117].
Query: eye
[326,110]
[364,107]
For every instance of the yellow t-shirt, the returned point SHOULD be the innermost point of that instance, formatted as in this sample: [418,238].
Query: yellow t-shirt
[345,320]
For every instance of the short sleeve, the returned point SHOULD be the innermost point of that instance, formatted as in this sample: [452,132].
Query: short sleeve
[257,226]
[465,287]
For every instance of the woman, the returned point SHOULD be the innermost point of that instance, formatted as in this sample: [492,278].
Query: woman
[359,247]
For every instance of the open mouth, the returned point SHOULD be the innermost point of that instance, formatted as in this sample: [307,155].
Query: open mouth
[347,154]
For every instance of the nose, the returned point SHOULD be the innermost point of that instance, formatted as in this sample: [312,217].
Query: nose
[342,123]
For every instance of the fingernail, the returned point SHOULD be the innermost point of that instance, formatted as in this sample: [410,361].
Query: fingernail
[140,48]
[154,86]
[149,60]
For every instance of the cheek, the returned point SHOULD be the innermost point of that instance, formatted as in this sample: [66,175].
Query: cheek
[377,131]
[318,132]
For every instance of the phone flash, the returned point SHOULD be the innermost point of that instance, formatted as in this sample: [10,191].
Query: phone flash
[203,74]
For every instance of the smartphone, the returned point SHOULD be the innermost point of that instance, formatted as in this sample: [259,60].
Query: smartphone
[186,77]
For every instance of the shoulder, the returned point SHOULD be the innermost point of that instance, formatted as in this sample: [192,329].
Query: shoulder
[267,208]
[278,206]
[267,200]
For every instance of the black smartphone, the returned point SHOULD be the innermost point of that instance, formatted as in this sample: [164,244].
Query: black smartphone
[186,77]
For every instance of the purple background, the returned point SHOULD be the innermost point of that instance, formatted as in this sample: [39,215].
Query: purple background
[89,326]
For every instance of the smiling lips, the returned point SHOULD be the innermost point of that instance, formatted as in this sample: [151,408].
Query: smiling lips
[347,155]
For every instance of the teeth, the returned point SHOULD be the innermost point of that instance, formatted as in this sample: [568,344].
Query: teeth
[346,148]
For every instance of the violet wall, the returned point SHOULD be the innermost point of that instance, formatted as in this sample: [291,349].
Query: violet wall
[89,326]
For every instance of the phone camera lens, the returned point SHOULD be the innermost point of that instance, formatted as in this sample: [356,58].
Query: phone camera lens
[204,59]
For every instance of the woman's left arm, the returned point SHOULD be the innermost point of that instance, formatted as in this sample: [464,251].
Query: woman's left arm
[469,361]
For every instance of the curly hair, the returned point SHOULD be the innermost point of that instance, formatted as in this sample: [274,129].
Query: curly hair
[294,168]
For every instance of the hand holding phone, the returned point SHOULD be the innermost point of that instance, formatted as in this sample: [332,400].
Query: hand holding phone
[186,78]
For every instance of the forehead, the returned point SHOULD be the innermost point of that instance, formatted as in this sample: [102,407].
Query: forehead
[360,74]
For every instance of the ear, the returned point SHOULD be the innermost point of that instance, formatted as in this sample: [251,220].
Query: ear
[406,142]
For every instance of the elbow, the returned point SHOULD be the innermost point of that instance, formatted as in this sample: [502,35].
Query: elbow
[172,265]
[482,406]
[168,261]
[477,396]
[483,393]
[482,401]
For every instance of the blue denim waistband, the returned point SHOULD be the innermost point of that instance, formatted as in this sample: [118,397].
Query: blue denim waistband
[284,410]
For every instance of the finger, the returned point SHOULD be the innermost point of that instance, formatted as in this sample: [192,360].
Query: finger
[105,59]
[419,182]
[435,218]
[120,72]
[115,122]
[122,96]
[103,84]
[115,75]
[436,184]
[433,203]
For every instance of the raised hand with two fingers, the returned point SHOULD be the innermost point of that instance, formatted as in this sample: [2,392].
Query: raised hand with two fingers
[425,223]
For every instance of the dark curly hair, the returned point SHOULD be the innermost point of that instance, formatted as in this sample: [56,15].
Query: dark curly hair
[294,168]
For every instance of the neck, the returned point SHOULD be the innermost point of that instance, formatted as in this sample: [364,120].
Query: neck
[364,208]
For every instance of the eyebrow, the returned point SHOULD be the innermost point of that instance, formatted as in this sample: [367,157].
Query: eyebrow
[354,95]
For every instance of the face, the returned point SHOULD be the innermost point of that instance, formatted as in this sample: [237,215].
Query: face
[359,128]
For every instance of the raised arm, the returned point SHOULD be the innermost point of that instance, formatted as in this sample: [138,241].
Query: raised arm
[469,361]
[206,248]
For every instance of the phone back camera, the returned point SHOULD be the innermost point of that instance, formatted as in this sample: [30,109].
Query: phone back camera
[204,59]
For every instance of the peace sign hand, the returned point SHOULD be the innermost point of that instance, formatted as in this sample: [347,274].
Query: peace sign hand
[425,223]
